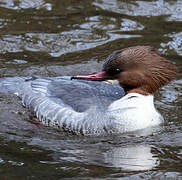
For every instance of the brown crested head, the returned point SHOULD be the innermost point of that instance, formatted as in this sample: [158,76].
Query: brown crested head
[139,69]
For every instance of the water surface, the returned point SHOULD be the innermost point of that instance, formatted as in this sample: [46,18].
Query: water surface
[54,38]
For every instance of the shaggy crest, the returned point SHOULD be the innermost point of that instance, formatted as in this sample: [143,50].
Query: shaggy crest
[140,69]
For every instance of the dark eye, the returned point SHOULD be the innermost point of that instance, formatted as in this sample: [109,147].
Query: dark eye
[114,71]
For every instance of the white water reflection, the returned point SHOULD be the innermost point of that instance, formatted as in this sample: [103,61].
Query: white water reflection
[132,158]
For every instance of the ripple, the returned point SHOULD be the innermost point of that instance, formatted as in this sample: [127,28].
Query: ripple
[14,163]
[25,4]
[175,44]
[17,61]
[4,22]
[172,92]
[143,8]
[129,25]
[110,24]
[11,43]
[57,44]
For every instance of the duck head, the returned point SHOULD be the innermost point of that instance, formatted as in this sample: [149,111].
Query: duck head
[138,69]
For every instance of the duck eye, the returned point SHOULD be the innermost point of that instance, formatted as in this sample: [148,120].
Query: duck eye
[114,71]
[117,70]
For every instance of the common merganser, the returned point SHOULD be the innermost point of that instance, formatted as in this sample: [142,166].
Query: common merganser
[92,107]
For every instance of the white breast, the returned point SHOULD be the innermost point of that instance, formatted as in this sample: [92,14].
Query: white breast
[134,111]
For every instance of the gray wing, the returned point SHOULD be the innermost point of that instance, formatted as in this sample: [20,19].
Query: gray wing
[81,95]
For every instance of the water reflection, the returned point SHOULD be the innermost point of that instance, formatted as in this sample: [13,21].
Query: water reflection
[132,158]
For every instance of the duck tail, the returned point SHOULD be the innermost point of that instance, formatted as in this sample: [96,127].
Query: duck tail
[13,85]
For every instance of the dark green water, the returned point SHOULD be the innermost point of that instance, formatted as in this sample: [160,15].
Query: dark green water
[68,37]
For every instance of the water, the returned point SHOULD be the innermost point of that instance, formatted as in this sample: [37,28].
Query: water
[54,38]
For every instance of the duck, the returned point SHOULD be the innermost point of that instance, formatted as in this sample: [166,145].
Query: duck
[118,99]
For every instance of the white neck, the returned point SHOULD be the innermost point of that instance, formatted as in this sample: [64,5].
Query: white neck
[134,111]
